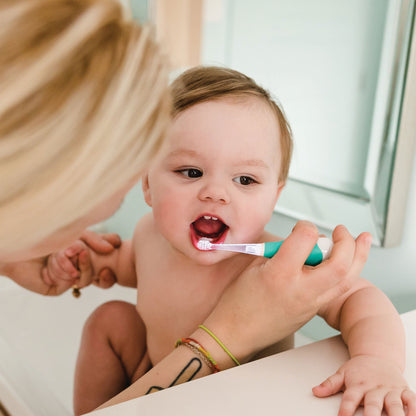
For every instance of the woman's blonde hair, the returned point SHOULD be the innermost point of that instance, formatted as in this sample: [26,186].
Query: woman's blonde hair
[205,83]
[84,104]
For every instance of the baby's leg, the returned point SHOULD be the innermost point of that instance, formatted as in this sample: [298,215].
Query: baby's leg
[113,350]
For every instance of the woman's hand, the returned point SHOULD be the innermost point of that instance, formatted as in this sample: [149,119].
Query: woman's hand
[274,298]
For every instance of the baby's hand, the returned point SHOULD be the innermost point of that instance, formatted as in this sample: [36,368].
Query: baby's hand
[373,383]
[64,268]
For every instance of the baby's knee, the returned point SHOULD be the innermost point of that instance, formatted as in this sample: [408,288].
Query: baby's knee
[107,317]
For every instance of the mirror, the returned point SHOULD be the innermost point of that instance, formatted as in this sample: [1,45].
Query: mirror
[343,73]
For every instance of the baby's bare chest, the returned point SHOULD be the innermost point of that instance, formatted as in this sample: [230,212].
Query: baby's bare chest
[172,303]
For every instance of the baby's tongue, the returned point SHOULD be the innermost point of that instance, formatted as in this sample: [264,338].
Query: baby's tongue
[208,227]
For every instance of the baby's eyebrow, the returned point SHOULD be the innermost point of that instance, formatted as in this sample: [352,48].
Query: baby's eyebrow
[253,162]
[183,152]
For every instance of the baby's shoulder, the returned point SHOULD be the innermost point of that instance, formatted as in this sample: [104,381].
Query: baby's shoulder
[144,230]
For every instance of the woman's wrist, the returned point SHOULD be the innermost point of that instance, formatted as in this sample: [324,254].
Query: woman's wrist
[224,346]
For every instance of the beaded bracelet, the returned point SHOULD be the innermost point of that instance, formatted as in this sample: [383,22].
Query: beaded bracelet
[220,343]
[196,347]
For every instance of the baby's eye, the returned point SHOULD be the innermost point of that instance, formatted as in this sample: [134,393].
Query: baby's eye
[244,180]
[190,173]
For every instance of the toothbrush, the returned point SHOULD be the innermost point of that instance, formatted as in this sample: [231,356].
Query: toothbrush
[320,252]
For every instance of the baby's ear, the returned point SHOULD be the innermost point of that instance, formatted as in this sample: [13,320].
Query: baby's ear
[146,189]
[280,187]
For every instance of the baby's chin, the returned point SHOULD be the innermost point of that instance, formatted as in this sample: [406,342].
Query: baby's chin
[212,257]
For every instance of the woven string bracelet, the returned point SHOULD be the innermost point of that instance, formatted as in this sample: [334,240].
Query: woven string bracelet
[220,344]
[196,347]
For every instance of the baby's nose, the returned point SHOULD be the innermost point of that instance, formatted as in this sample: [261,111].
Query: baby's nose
[214,192]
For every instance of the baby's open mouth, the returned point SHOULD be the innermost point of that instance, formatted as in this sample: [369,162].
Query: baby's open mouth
[208,227]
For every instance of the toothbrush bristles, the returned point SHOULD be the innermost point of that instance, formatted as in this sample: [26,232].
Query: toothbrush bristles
[204,245]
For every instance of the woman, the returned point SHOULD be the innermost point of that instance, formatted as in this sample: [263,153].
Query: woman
[83,110]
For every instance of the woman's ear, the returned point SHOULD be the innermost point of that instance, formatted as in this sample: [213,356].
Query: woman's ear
[146,189]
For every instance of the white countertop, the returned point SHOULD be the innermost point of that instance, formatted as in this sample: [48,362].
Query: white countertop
[280,384]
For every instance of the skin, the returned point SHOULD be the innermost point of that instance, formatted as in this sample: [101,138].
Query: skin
[211,167]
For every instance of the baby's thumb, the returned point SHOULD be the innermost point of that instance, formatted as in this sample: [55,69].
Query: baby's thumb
[330,386]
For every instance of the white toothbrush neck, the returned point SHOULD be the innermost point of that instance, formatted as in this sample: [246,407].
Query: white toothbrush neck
[253,249]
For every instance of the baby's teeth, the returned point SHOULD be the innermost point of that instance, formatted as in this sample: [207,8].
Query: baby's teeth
[214,218]
[207,217]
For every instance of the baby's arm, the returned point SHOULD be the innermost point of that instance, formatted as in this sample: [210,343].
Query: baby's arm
[120,262]
[373,332]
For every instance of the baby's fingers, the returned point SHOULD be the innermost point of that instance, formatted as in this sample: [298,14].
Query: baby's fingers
[409,399]
[350,402]
[330,386]
[62,267]
[374,402]
[393,404]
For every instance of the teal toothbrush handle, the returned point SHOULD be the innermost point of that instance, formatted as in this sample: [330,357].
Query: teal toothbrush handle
[315,258]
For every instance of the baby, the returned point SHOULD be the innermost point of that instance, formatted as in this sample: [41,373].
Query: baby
[218,178]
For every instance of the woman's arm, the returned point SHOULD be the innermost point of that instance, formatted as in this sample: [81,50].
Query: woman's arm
[28,274]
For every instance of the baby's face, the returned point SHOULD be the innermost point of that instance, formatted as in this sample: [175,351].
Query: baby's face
[217,177]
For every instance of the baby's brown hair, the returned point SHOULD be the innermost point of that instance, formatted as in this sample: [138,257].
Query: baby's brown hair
[205,83]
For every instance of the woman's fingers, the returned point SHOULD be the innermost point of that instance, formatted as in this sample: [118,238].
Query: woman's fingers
[112,238]
[101,243]
[335,276]
[296,247]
